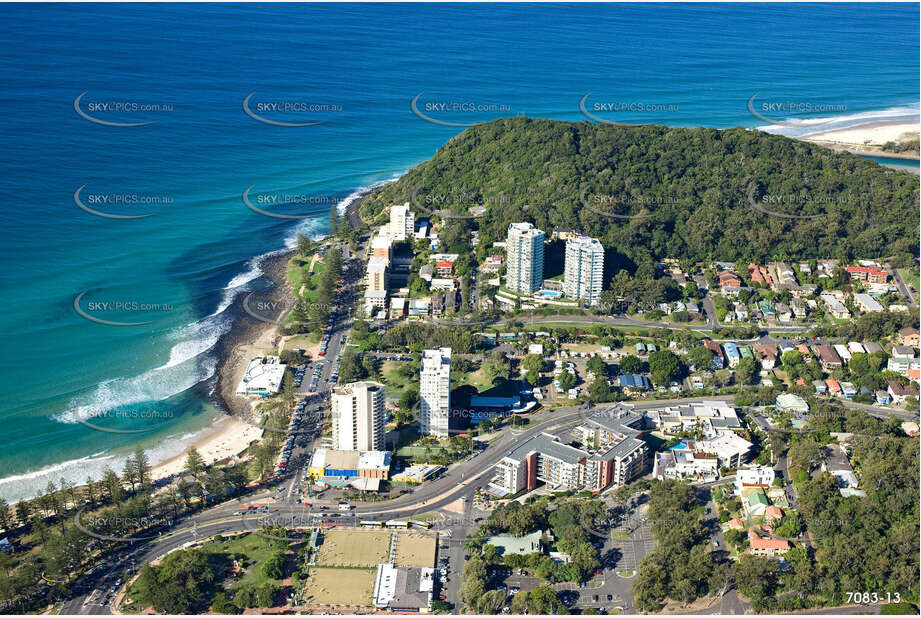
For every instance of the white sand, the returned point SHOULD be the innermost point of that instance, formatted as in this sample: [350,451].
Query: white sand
[228,437]
[870,134]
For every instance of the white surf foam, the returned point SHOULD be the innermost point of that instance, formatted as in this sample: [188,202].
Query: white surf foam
[805,127]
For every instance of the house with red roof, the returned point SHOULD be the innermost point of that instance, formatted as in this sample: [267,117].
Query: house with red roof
[759,546]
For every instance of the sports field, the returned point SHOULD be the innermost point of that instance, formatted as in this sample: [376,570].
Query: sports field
[415,549]
[339,587]
[365,548]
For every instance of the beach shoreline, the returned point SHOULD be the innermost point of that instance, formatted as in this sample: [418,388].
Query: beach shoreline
[868,139]
[231,434]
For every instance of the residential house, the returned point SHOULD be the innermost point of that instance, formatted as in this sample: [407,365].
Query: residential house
[835,307]
[798,307]
[843,352]
[909,336]
[902,351]
[833,387]
[768,354]
[856,348]
[759,274]
[758,546]
[898,393]
[828,357]
[732,353]
[717,351]
[728,279]
[789,402]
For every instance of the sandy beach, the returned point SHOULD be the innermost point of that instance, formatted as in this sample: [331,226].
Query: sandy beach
[869,138]
[225,439]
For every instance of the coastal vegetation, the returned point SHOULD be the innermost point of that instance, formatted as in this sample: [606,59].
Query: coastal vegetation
[651,192]
[68,529]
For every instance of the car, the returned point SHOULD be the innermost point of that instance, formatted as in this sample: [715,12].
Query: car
[716,543]
[610,597]
[595,598]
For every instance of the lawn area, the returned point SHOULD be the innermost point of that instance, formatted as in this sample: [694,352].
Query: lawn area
[419,451]
[302,341]
[396,384]
[476,379]
[340,587]
[256,549]
[415,549]
[354,548]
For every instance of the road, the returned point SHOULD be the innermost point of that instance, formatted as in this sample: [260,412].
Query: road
[903,288]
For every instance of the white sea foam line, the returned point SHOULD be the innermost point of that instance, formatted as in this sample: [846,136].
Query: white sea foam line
[808,126]
[30,484]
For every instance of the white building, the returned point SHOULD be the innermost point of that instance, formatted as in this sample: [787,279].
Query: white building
[867,303]
[377,274]
[524,258]
[584,270]
[761,476]
[358,417]
[435,393]
[402,222]
[402,589]
[262,376]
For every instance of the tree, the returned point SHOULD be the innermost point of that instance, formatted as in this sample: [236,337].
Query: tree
[304,245]
[756,576]
[566,380]
[596,365]
[700,357]
[664,367]
[5,515]
[746,371]
[631,364]
[141,468]
[194,463]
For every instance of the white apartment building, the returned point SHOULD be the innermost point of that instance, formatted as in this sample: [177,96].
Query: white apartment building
[377,274]
[358,417]
[435,393]
[584,271]
[402,222]
[524,258]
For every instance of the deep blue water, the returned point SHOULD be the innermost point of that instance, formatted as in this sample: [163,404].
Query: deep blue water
[697,64]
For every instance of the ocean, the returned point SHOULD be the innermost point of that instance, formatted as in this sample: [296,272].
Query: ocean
[174,110]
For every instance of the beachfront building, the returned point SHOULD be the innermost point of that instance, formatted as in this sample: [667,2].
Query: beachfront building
[524,258]
[584,270]
[402,222]
[358,416]
[377,274]
[262,376]
[382,247]
[362,470]
[435,393]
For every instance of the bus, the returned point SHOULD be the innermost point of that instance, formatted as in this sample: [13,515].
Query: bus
[425,525]
[345,506]
[396,523]
[366,523]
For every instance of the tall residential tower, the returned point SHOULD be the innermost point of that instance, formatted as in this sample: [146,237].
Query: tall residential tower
[584,271]
[525,258]
[358,417]
[435,393]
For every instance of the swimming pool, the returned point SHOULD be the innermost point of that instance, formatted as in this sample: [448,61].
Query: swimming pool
[679,446]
